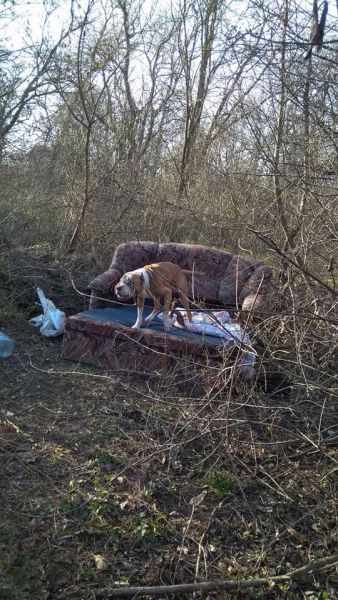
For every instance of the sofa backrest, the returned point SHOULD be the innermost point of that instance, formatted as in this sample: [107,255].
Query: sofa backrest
[225,277]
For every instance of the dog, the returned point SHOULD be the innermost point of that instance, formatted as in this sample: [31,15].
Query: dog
[156,281]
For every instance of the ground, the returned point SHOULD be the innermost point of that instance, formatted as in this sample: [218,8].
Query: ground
[108,479]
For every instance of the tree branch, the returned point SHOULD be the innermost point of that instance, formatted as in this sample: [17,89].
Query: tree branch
[302,574]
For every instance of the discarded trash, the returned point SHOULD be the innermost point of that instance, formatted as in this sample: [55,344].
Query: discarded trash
[218,323]
[6,345]
[52,322]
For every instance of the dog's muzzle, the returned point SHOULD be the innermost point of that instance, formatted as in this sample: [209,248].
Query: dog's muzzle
[123,291]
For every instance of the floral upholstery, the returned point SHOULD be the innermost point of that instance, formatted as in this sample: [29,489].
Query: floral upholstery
[102,336]
[228,278]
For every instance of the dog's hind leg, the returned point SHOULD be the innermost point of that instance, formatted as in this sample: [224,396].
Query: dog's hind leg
[166,307]
[183,294]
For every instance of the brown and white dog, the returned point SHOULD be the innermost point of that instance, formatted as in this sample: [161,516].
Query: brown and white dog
[159,280]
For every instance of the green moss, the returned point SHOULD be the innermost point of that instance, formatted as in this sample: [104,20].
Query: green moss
[221,483]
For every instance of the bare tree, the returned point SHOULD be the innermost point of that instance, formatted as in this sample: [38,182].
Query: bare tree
[213,67]
[24,80]
[91,87]
[97,87]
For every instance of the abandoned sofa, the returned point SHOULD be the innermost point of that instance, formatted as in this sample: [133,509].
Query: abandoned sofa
[103,336]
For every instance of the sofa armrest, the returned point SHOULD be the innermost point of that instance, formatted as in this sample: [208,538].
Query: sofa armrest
[103,287]
[253,294]
[106,282]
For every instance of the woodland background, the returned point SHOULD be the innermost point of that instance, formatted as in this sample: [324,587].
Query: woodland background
[187,121]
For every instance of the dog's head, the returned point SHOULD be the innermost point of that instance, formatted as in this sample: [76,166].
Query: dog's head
[130,284]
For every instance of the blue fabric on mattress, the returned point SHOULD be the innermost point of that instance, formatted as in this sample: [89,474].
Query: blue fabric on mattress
[126,315]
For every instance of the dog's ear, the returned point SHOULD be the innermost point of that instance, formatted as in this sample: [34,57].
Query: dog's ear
[137,280]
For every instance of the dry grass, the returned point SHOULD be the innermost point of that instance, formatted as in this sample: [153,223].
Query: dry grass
[111,480]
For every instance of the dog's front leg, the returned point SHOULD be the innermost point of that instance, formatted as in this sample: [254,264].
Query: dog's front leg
[139,319]
[154,313]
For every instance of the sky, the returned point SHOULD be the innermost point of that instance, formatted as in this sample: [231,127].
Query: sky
[31,18]
[30,21]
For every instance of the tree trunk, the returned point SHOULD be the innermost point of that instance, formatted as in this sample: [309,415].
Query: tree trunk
[80,223]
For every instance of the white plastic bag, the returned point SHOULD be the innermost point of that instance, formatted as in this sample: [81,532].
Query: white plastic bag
[52,321]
